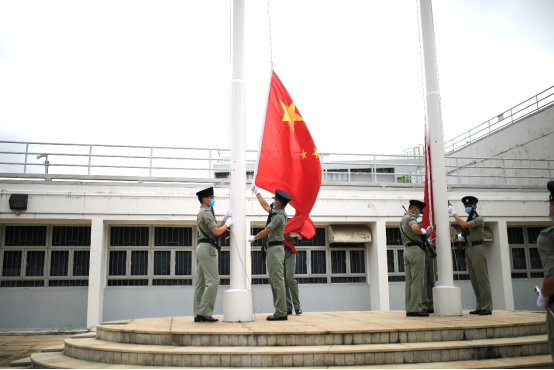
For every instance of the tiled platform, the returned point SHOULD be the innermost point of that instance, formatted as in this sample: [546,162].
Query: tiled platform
[323,339]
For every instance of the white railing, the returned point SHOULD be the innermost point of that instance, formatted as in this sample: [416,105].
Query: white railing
[529,106]
[48,161]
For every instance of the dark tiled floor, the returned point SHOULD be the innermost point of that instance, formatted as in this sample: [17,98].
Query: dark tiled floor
[15,347]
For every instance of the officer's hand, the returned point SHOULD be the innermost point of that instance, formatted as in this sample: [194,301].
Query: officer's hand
[251,239]
[542,301]
[429,229]
[229,221]
[227,215]
[423,231]
[294,235]
[451,210]
[461,238]
[255,189]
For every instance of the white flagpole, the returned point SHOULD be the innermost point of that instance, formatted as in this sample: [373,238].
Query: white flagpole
[447,298]
[237,301]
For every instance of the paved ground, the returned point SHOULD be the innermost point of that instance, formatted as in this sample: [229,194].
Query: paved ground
[15,347]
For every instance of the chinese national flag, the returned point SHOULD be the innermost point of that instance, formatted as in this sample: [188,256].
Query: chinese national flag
[429,214]
[288,158]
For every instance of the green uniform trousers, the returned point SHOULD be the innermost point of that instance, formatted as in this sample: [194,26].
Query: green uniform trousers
[275,267]
[291,285]
[430,278]
[476,259]
[207,279]
[550,332]
[414,266]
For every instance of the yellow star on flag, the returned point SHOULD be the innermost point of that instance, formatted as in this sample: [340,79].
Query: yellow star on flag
[315,153]
[290,114]
[303,154]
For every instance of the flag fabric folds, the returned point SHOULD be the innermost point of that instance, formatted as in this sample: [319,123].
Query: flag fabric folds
[288,158]
[428,218]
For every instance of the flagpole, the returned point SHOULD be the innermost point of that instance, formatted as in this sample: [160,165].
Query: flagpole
[447,298]
[237,301]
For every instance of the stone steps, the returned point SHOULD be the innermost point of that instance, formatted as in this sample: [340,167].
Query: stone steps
[60,361]
[299,356]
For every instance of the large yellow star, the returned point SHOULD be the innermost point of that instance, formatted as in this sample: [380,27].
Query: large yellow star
[303,154]
[315,153]
[290,114]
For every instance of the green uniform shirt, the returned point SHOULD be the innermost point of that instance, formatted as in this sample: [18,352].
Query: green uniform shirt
[277,226]
[406,224]
[477,230]
[206,222]
[545,242]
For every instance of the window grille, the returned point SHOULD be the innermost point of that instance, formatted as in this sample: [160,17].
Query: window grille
[59,263]
[118,263]
[301,263]
[130,282]
[67,282]
[224,259]
[525,258]
[395,255]
[183,263]
[12,263]
[124,236]
[81,261]
[64,236]
[319,262]
[258,265]
[317,280]
[19,236]
[139,263]
[338,262]
[35,263]
[21,283]
[172,282]
[162,263]
[173,237]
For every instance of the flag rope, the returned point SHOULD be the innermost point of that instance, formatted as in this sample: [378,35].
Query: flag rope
[270,42]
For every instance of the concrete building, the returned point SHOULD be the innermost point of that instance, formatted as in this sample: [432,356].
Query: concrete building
[110,232]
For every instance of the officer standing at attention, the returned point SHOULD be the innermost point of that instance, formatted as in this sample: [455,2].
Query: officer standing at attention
[275,251]
[545,243]
[291,285]
[207,275]
[476,257]
[414,259]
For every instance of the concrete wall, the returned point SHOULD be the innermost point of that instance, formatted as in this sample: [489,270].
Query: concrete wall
[530,138]
[525,297]
[43,308]
[131,303]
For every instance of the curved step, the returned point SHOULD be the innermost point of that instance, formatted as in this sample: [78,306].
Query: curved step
[60,361]
[313,329]
[297,356]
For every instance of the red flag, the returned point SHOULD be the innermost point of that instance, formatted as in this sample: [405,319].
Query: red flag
[429,214]
[288,158]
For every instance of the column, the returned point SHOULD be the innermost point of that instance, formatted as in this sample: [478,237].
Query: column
[498,261]
[97,272]
[378,268]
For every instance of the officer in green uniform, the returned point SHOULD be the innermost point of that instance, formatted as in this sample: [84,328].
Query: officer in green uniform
[291,285]
[207,275]
[545,242]
[276,252]
[476,257]
[414,259]
[430,278]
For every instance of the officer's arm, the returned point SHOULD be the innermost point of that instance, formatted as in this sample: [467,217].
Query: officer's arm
[262,234]
[548,286]
[415,228]
[218,230]
[462,223]
[263,203]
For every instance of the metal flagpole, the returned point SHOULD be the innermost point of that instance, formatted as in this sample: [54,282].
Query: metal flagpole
[237,301]
[447,298]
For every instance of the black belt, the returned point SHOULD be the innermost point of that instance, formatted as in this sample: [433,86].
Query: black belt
[206,241]
[273,244]
[474,244]
[413,245]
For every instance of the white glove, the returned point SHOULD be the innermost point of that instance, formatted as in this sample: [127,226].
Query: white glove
[423,231]
[429,229]
[542,301]
[251,239]
[227,215]
[294,235]
[461,238]
[451,210]
[254,189]
[229,221]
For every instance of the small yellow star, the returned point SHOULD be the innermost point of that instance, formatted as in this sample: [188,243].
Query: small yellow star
[290,114]
[315,153]
[303,154]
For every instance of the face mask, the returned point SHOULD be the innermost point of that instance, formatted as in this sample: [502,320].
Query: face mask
[212,202]
[417,216]
[272,205]
[468,210]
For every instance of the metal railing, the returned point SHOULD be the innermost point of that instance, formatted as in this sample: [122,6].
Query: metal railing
[529,106]
[34,160]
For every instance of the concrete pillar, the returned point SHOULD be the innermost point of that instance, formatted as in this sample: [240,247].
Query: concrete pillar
[377,267]
[500,272]
[97,272]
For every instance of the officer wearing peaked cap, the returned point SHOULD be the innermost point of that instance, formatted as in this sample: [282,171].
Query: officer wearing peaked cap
[476,256]
[276,252]
[545,243]
[414,259]
[207,275]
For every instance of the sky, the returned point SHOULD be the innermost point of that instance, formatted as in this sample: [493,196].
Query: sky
[158,72]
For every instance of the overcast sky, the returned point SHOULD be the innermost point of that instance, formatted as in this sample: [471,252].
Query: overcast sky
[158,72]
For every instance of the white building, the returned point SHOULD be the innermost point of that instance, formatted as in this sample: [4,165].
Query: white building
[110,232]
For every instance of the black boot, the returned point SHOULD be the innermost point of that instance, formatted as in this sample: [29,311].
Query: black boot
[202,318]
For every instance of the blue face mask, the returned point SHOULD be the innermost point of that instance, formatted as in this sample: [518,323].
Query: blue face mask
[417,216]
[468,210]
[212,202]
[272,205]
